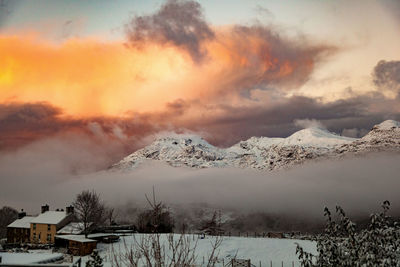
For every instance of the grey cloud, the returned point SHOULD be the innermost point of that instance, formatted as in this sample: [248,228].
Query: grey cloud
[273,61]
[387,75]
[307,123]
[7,7]
[178,22]
[354,132]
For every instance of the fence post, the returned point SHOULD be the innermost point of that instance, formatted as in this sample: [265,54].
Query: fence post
[292,263]
[282,263]
[271,263]
[260,263]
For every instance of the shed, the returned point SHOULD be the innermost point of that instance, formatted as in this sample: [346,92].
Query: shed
[77,245]
[275,235]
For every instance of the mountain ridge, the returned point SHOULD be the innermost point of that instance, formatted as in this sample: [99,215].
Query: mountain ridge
[264,153]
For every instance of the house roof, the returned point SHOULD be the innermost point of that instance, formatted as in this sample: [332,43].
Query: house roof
[77,238]
[73,228]
[50,217]
[24,222]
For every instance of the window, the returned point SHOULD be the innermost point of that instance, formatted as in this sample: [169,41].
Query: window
[49,237]
[39,237]
[34,226]
[48,227]
[34,236]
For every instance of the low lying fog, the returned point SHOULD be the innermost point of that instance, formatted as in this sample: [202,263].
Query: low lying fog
[44,173]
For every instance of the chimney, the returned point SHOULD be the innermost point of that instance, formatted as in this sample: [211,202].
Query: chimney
[45,208]
[69,209]
[21,214]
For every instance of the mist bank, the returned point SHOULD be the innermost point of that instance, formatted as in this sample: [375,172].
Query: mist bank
[36,175]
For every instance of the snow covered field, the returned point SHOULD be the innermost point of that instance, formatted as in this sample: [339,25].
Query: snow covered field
[258,250]
[29,258]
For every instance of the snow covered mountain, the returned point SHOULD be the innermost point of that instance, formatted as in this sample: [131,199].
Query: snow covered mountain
[264,153]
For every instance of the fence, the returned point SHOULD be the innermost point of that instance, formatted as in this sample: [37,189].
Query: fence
[289,235]
[247,263]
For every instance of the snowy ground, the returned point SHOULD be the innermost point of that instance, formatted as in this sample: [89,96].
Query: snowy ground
[29,258]
[258,250]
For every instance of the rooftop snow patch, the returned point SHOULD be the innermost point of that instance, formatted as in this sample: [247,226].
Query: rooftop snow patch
[77,238]
[24,222]
[50,217]
[73,228]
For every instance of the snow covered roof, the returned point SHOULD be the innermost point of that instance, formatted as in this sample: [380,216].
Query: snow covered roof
[24,222]
[96,235]
[77,238]
[50,217]
[73,228]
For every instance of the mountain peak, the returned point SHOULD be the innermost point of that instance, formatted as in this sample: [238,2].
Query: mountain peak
[387,125]
[316,136]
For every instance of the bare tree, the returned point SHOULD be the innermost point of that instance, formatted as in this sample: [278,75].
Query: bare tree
[213,226]
[163,250]
[111,215]
[158,219]
[89,209]
[7,216]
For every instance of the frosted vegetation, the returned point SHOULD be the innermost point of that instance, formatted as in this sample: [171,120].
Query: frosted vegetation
[342,245]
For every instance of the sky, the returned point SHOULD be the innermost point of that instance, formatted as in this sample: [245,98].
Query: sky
[91,81]
[136,68]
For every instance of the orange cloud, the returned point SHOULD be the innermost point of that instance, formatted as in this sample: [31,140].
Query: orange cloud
[84,77]
[89,77]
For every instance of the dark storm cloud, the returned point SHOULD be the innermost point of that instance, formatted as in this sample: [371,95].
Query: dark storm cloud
[24,123]
[387,75]
[178,22]
[277,119]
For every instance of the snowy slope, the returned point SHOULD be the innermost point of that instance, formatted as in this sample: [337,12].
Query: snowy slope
[262,152]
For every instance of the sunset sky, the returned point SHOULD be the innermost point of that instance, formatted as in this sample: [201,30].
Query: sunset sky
[124,72]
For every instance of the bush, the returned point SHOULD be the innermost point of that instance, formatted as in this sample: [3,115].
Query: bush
[342,245]
[95,260]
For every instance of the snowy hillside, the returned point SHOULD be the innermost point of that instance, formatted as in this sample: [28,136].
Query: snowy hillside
[264,153]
